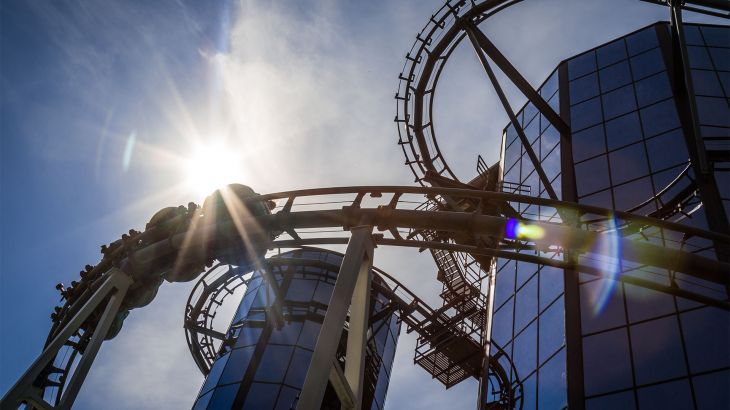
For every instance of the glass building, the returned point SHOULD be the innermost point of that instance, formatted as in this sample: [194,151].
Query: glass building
[602,343]
[264,360]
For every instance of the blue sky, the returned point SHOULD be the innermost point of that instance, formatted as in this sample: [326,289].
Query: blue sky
[103,103]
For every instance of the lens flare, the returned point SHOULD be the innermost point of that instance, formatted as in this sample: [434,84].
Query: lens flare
[607,257]
[515,229]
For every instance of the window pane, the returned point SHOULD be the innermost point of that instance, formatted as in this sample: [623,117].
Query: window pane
[287,397]
[310,332]
[553,386]
[674,395]
[223,397]
[642,41]
[692,35]
[524,355]
[706,83]
[606,364]
[623,401]
[628,163]
[611,53]
[716,36]
[647,64]
[615,76]
[657,349]
[618,102]
[298,367]
[525,271]
[301,290]
[260,396]
[585,114]
[502,324]
[505,284]
[601,305]
[551,285]
[592,175]
[634,193]
[582,65]
[653,89]
[248,336]
[287,334]
[644,303]
[667,150]
[623,130]
[526,304]
[549,139]
[706,353]
[601,199]
[237,365]
[711,390]
[274,363]
[552,330]
[215,373]
[588,143]
[699,58]
[713,111]
[659,118]
[583,88]
[720,57]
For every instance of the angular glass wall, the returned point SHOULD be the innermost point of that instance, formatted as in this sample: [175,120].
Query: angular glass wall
[528,321]
[642,348]
[263,363]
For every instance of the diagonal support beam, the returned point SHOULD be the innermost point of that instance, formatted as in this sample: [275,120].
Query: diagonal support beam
[352,286]
[480,40]
[513,118]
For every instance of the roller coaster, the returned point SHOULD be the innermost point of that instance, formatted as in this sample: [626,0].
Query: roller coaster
[466,226]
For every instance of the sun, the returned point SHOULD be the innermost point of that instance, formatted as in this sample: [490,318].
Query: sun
[209,167]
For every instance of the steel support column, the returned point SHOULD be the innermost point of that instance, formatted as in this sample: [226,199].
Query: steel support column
[513,118]
[116,286]
[351,287]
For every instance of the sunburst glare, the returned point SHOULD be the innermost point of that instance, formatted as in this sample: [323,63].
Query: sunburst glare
[209,167]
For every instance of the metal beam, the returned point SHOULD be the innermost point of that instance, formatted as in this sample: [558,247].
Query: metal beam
[116,284]
[513,118]
[342,386]
[357,259]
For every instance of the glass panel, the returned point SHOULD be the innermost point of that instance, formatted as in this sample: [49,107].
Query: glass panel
[552,330]
[584,88]
[711,390]
[553,386]
[529,387]
[585,114]
[720,57]
[287,335]
[642,41]
[643,303]
[274,363]
[659,118]
[615,76]
[502,324]
[588,143]
[298,367]
[674,395]
[301,290]
[623,130]
[606,365]
[237,365]
[601,305]
[706,353]
[505,284]
[699,58]
[667,150]
[323,293]
[628,163]
[647,64]
[525,270]
[287,398]
[551,285]
[582,65]
[657,349]
[692,35]
[524,355]
[202,402]
[618,102]
[611,53]
[706,83]
[215,373]
[549,139]
[623,401]
[526,304]
[716,36]
[713,111]
[653,89]
[248,336]
[310,332]
[592,175]
[223,397]
[260,396]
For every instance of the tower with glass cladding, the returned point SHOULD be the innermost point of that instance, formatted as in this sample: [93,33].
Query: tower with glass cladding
[269,345]
[635,145]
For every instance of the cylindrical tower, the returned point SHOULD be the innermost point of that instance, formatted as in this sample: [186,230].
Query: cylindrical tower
[264,358]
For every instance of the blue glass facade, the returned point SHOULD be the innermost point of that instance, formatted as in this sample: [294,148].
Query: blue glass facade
[639,348]
[264,361]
